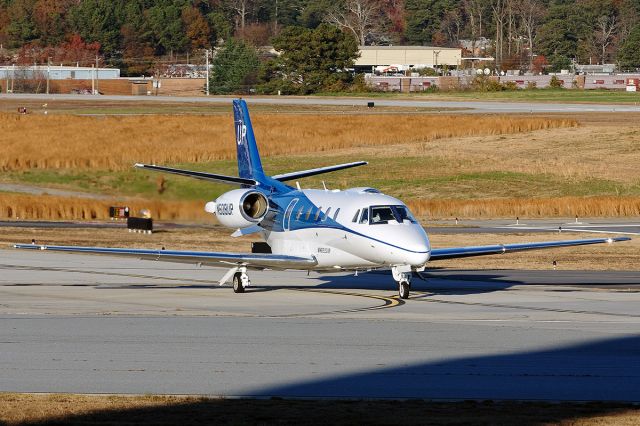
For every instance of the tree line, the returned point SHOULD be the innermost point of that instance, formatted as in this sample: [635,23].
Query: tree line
[136,35]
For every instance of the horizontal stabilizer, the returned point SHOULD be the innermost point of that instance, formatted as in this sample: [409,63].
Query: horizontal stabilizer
[251,260]
[320,170]
[458,252]
[199,175]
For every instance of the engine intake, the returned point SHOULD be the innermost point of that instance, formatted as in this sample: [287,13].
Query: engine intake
[254,206]
[239,208]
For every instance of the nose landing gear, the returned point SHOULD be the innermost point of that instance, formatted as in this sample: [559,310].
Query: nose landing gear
[403,289]
[402,274]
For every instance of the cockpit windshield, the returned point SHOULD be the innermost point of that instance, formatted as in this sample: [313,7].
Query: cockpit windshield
[381,215]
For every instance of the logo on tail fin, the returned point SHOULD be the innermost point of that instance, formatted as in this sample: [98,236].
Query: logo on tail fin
[241,132]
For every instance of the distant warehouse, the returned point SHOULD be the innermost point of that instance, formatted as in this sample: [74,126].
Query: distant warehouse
[407,57]
[57,72]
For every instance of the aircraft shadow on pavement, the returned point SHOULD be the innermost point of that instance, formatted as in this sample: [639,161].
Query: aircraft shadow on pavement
[604,370]
[451,283]
[439,281]
[454,283]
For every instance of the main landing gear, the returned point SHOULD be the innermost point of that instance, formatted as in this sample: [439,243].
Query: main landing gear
[240,281]
[402,274]
[238,277]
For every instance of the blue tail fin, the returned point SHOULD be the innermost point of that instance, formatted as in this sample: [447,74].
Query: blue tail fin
[249,164]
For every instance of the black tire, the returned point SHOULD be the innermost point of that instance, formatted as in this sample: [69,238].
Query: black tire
[237,283]
[403,289]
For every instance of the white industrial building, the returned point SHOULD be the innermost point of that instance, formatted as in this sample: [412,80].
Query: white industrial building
[57,72]
[406,57]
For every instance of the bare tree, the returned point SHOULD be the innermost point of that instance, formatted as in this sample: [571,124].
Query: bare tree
[499,11]
[475,11]
[241,8]
[451,25]
[531,12]
[604,34]
[627,18]
[362,17]
[511,26]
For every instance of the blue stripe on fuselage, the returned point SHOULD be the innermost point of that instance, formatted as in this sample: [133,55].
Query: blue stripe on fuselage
[280,203]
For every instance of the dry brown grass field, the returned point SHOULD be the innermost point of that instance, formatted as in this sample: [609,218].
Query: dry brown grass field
[115,143]
[528,207]
[443,166]
[619,256]
[29,409]
[48,207]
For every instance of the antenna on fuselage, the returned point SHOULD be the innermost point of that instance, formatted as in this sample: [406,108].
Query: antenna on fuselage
[298,186]
[325,186]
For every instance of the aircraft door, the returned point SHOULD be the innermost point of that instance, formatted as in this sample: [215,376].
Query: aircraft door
[286,221]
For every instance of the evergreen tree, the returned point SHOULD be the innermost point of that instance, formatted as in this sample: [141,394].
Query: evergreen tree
[98,21]
[234,68]
[311,60]
[629,53]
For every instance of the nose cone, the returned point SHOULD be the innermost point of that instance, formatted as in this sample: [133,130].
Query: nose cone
[420,250]
[415,246]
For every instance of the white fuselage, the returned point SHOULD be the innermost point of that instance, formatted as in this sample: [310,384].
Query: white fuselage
[348,241]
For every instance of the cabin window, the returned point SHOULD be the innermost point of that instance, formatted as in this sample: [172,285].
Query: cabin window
[326,214]
[365,216]
[335,215]
[381,215]
[403,214]
[355,217]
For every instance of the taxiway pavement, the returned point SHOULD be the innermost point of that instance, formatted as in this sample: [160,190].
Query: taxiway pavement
[459,106]
[88,324]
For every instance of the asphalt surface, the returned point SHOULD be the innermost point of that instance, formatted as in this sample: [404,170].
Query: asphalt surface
[464,106]
[88,324]
[569,228]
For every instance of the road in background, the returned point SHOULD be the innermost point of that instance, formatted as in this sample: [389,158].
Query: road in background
[463,106]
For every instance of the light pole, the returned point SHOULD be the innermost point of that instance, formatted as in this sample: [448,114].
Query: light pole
[97,92]
[436,53]
[48,72]
[207,70]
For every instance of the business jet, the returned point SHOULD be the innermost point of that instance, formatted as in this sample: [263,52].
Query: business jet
[357,229]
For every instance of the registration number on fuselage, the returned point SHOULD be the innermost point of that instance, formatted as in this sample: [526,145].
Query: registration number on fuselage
[225,209]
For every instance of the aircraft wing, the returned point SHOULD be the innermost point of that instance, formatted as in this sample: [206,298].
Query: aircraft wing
[458,252]
[320,170]
[199,175]
[251,260]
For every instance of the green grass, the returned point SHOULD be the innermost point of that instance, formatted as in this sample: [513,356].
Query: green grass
[536,95]
[423,177]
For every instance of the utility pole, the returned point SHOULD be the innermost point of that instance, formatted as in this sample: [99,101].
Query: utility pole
[48,72]
[6,87]
[275,25]
[93,80]
[97,92]
[207,70]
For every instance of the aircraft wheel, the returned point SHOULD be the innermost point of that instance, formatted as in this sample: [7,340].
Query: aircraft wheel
[403,289]
[237,283]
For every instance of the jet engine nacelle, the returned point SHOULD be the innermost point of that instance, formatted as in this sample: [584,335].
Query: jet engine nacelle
[239,208]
